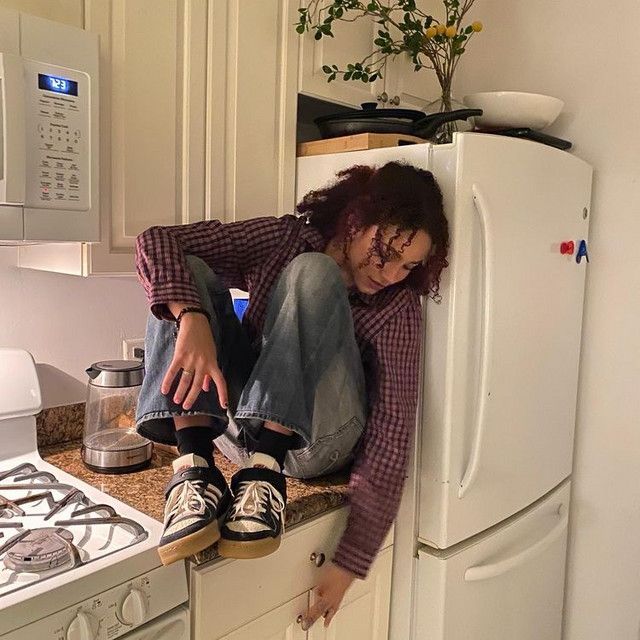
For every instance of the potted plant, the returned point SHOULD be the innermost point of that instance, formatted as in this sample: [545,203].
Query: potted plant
[429,42]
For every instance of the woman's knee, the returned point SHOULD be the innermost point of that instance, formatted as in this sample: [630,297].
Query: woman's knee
[311,273]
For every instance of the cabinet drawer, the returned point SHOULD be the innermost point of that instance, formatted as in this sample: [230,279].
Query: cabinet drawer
[225,594]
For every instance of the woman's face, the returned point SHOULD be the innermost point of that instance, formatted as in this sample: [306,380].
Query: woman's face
[367,275]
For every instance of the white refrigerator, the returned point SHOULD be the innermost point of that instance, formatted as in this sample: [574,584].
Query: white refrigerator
[480,540]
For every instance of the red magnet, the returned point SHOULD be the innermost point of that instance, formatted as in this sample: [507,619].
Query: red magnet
[567,248]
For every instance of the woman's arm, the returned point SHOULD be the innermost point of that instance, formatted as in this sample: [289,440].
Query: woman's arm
[377,476]
[231,249]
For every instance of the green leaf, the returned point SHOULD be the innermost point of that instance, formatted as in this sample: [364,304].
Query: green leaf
[326,68]
[318,35]
[300,28]
[347,75]
[339,13]
[356,75]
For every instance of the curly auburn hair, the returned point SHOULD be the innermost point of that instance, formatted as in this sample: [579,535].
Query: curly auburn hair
[396,194]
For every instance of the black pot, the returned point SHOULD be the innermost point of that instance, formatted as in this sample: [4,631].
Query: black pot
[372,120]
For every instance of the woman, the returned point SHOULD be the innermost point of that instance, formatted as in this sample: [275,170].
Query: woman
[323,370]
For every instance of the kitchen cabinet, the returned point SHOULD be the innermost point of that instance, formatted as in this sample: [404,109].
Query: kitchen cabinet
[153,59]
[400,87]
[364,612]
[198,117]
[251,109]
[279,624]
[268,594]
[408,88]
[352,42]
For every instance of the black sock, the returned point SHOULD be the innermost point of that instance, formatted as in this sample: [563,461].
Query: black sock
[274,444]
[198,440]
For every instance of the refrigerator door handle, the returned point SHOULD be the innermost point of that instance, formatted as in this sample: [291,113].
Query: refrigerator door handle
[487,571]
[473,465]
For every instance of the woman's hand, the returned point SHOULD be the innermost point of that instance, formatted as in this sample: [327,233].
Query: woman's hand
[329,591]
[196,354]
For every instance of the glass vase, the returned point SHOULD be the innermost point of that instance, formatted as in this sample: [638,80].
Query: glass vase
[444,133]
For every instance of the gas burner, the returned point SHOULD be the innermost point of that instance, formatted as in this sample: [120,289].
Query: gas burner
[40,550]
[48,527]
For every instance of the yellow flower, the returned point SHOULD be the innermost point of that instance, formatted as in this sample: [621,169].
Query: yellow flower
[431,32]
[450,32]
[441,29]
[476,26]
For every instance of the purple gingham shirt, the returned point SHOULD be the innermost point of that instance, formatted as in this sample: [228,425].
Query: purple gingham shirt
[250,255]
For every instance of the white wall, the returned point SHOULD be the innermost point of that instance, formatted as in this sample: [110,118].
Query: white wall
[585,52]
[67,323]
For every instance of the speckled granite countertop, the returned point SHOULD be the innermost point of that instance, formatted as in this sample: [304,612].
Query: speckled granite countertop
[144,490]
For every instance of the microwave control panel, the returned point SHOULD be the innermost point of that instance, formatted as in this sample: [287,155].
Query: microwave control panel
[58,135]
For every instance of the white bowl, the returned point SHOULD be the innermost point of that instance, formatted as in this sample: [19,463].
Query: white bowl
[510,109]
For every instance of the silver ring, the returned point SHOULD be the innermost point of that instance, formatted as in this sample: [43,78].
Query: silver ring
[186,372]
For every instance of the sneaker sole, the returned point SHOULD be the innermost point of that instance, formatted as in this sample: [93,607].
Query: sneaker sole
[247,549]
[187,546]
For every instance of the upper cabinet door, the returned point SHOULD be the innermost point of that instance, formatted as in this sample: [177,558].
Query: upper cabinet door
[251,108]
[409,89]
[153,69]
[406,88]
[353,41]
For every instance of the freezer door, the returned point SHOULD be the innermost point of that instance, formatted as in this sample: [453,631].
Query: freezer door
[502,350]
[508,585]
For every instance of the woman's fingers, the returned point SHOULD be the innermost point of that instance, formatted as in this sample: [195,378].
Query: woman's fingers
[169,376]
[191,383]
[186,379]
[221,386]
[194,392]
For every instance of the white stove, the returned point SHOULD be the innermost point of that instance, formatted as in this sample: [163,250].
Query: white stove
[75,563]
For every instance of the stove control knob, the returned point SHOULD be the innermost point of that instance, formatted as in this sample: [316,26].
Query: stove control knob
[134,608]
[83,627]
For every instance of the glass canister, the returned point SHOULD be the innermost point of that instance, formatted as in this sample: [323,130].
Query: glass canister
[110,441]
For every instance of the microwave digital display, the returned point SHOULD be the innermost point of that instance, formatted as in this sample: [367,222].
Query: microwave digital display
[57,84]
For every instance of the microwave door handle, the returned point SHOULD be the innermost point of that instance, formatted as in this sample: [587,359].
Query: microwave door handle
[495,569]
[471,472]
[12,129]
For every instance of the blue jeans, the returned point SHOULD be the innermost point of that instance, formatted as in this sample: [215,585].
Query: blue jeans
[307,375]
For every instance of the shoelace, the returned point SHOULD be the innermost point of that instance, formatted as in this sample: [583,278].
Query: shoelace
[187,501]
[256,494]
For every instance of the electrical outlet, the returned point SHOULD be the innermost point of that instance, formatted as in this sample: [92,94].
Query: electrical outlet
[128,346]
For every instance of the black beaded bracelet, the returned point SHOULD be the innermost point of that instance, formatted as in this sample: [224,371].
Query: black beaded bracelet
[204,312]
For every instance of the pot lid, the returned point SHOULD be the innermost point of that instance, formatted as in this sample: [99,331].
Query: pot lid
[116,373]
[369,111]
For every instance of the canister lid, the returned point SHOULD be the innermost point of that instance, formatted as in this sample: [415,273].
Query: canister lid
[116,373]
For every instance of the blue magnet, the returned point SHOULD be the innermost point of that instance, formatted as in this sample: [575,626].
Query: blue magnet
[582,251]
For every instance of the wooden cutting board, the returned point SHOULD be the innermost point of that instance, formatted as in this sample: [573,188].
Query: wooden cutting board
[356,142]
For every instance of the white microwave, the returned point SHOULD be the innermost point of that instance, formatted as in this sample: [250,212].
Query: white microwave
[49,131]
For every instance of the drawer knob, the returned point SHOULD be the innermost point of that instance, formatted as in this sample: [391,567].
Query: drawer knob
[299,619]
[317,559]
